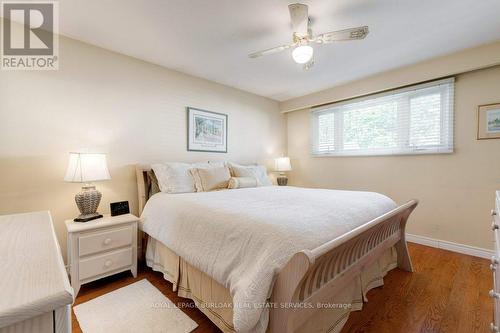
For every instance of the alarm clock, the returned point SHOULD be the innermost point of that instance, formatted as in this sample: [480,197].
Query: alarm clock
[119,208]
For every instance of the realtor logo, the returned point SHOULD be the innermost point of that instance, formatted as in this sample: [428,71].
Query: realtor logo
[29,38]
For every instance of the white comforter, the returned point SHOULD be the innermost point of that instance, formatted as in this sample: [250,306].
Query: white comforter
[242,238]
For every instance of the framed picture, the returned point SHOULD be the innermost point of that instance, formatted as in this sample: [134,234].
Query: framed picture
[488,121]
[207,131]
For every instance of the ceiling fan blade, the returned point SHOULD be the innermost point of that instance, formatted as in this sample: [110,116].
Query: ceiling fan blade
[300,19]
[270,51]
[342,35]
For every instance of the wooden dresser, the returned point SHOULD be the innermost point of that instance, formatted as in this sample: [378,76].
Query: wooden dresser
[495,264]
[35,294]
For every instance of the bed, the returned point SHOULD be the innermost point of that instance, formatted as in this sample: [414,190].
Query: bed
[275,259]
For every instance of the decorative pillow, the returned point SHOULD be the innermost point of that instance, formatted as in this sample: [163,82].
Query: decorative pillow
[174,177]
[242,182]
[259,172]
[153,184]
[211,178]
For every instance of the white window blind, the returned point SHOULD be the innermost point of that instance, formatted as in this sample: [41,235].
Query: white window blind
[411,120]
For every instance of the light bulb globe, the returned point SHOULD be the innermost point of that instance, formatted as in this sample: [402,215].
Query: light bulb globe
[302,54]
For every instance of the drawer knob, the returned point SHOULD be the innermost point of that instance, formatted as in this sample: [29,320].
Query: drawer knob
[494,260]
[494,226]
[108,263]
[493,294]
[494,328]
[493,267]
[493,212]
[107,241]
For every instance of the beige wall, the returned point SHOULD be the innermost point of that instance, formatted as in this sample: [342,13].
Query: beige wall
[456,191]
[129,109]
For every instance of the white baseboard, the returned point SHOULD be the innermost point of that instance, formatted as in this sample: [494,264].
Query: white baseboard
[450,246]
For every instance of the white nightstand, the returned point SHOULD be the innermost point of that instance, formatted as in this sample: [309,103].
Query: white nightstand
[101,248]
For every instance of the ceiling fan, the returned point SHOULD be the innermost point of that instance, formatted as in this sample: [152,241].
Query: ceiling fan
[303,37]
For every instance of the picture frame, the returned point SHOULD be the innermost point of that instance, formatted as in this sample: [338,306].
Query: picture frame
[488,121]
[206,131]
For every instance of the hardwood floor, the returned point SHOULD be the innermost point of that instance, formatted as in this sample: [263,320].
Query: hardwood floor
[448,292]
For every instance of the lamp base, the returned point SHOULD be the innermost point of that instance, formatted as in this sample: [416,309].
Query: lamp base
[88,200]
[87,217]
[282,180]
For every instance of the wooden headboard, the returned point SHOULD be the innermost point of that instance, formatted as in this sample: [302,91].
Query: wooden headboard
[142,184]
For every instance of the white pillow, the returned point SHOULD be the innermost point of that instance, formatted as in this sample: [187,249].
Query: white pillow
[259,172]
[174,177]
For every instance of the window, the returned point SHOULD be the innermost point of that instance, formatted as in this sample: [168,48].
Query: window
[412,120]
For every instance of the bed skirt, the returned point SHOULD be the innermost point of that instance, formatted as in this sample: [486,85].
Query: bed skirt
[215,301]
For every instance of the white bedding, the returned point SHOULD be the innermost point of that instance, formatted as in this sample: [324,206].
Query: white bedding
[243,237]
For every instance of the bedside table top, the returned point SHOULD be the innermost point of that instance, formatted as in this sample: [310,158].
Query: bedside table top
[106,221]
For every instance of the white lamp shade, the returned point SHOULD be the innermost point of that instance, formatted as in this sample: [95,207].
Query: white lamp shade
[85,168]
[282,164]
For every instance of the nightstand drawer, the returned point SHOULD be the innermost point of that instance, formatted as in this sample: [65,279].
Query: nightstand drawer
[106,240]
[105,263]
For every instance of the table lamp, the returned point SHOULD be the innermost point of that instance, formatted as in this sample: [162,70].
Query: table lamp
[87,168]
[282,164]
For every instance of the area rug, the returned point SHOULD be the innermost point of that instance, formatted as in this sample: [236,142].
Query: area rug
[138,307]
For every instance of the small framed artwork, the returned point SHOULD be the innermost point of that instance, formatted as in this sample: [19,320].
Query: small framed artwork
[488,121]
[207,131]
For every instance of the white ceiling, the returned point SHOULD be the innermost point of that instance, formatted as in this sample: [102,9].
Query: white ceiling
[211,38]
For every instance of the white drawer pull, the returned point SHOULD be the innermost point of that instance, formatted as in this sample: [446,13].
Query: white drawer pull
[493,213]
[493,294]
[107,241]
[494,226]
[494,328]
[494,260]
[108,263]
[493,267]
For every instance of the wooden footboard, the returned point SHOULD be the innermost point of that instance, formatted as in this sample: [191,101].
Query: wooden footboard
[316,276]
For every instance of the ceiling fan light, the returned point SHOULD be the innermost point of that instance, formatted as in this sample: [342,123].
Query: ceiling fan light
[302,54]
